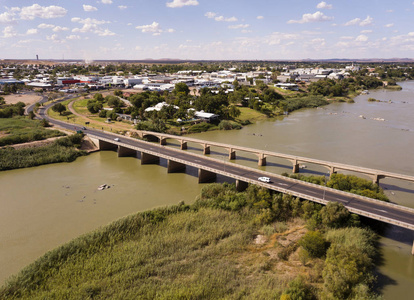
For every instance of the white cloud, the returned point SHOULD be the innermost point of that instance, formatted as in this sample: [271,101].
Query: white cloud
[367,21]
[324,5]
[105,32]
[361,38]
[73,37]
[9,32]
[106,1]
[357,21]
[353,22]
[43,12]
[245,31]
[122,7]
[154,28]
[315,17]
[389,25]
[260,17]
[58,28]
[239,26]
[181,3]
[31,31]
[389,10]
[44,26]
[7,17]
[212,15]
[366,31]
[92,25]
[138,48]
[89,8]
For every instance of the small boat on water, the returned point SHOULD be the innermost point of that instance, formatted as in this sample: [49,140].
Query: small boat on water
[362,116]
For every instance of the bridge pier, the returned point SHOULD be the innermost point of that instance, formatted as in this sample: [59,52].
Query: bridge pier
[262,160]
[232,154]
[149,159]
[295,168]
[163,141]
[376,178]
[205,176]
[175,167]
[183,145]
[332,170]
[123,151]
[103,145]
[241,185]
[206,149]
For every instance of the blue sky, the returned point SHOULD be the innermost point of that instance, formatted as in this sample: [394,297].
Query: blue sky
[206,29]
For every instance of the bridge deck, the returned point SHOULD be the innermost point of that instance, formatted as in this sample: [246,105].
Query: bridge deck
[265,153]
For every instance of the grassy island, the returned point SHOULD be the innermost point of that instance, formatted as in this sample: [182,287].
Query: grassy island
[250,245]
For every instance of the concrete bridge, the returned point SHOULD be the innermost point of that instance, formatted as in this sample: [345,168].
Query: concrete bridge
[209,168]
[333,167]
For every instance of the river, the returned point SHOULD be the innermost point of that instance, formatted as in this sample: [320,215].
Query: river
[45,206]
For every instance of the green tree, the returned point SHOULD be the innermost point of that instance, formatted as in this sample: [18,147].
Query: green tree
[345,269]
[334,215]
[233,111]
[181,87]
[118,93]
[59,107]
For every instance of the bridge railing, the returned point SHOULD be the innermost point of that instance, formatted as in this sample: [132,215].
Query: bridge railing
[279,189]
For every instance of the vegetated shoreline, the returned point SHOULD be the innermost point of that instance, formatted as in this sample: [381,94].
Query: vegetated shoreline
[64,149]
[227,244]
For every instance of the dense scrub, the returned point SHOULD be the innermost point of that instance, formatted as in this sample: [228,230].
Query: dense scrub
[61,150]
[346,183]
[22,130]
[207,251]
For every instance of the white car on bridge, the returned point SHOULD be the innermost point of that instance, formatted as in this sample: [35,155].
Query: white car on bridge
[264,179]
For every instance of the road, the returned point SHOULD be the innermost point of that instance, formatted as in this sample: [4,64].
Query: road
[379,210]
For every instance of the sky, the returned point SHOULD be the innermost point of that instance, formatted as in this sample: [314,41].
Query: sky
[206,29]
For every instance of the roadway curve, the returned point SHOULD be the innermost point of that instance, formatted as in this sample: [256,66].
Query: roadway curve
[375,209]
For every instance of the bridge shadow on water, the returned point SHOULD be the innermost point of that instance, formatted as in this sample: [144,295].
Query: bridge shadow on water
[396,188]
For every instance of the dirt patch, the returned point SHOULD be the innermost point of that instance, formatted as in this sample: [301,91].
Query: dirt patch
[25,98]
[35,143]
[3,134]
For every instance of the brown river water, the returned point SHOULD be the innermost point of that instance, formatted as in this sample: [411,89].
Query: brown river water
[44,207]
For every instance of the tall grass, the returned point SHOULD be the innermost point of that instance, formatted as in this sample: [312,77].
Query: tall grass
[62,150]
[202,251]
[21,130]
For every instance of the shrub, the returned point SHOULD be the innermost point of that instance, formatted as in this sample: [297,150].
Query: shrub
[334,215]
[200,127]
[314,243]
[228,125]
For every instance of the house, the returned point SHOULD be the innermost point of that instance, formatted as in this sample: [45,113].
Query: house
[207,117]
[287,86]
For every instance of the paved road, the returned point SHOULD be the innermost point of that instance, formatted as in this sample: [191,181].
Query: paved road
[390,213]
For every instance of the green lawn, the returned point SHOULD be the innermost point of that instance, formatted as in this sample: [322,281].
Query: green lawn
[250,114]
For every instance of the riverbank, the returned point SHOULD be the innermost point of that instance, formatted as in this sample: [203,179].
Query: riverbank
[226,244]
[59,150]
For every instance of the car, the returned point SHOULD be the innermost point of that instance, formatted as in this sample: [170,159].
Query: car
[116,139]
[83,128]
[264,179]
